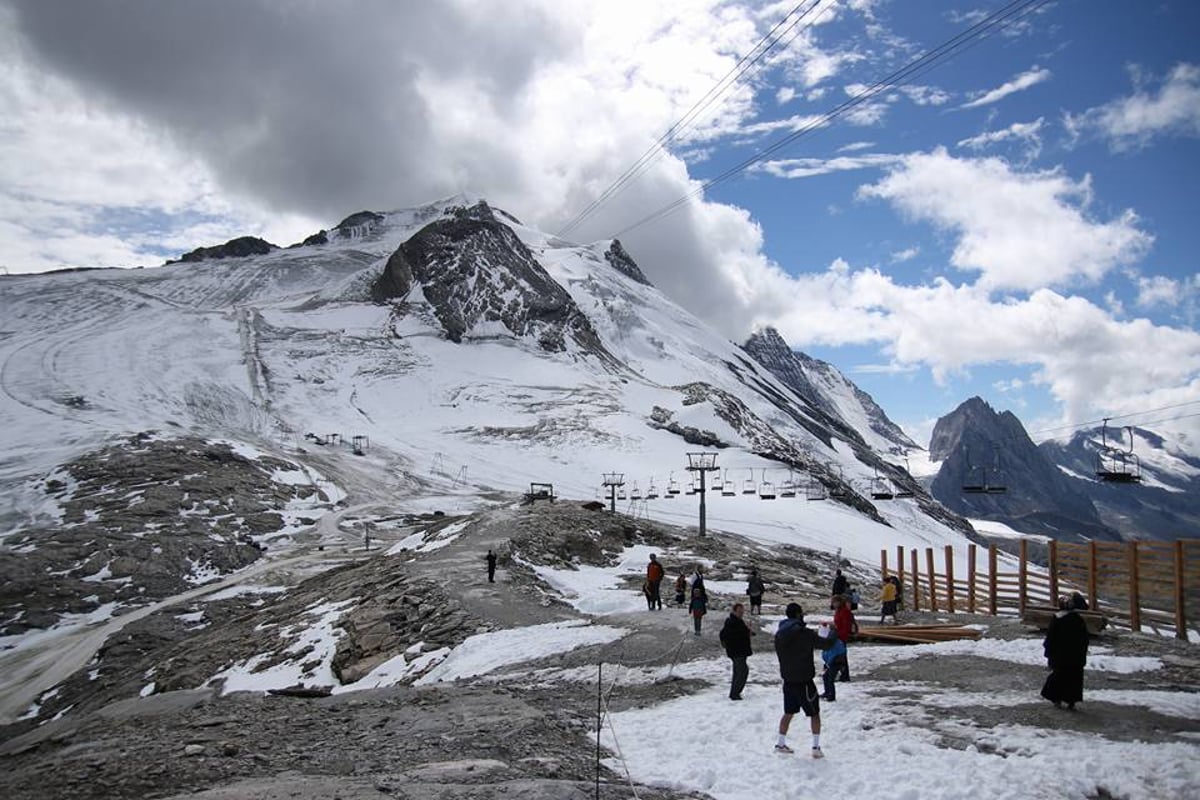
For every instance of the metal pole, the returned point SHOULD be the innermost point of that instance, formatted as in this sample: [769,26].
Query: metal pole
[612,498]
[703,494]
[599,719]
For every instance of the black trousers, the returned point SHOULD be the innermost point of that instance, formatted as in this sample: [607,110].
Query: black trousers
[741,671]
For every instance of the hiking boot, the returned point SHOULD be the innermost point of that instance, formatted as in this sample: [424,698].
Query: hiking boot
[816,753]
[783,748]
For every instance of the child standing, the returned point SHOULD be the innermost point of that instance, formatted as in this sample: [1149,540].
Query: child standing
[835,661]
[698,606]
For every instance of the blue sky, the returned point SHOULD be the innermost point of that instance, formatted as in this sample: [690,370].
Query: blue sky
[1016,223]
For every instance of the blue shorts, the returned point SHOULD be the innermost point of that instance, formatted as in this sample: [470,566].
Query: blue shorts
[801,697]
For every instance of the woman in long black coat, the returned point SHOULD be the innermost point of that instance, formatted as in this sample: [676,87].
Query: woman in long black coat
[1066,652]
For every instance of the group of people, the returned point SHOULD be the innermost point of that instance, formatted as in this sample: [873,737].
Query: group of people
[795,643]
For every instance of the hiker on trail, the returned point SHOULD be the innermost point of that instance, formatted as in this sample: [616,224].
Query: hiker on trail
[846,626]
[755,589]
[698,607]
[654,576]
[698,581]
[491,564]
[835,662]
[794,642]
[1066,648]
[735,637]
[680,590]
[888,595]
[840,584]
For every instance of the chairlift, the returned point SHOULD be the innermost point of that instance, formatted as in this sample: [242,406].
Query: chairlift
[979,479]
[838,491]
[748,486]
[636,493]
[1114,465]
[814,489]
[651,491]
[882,488]
[728,487]
[788,487]
[766,489]
[621,495]
[672,486]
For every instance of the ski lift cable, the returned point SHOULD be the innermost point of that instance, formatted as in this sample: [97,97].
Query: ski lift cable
[1081,425]
[656,150]
[997,21]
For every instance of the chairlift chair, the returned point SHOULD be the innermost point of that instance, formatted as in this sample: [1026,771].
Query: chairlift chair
[748,486]
[787,488]
[672,486]
[881,488]
[636,493]
[621,495]
[1114,465]
[651,491]
[728,488]
[814,489]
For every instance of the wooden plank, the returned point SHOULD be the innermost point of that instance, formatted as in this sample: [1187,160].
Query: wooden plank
[1040,616]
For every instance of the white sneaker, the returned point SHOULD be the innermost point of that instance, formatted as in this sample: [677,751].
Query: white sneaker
[783,748]
[816,753]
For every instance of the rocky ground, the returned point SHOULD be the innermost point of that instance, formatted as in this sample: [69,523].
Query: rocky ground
[504,734]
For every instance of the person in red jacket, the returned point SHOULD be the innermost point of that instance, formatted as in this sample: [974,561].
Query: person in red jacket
[846,624]
[654,576]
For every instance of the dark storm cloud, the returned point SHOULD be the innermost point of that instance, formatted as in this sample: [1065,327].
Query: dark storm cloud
[309,107]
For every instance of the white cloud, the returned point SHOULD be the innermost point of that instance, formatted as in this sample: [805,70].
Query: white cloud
[1028,134]
[925,95]
[1133,121]
[810,167]
[1023,81]
[855,146]
[785,95]
[1019,230]
[908,254]
[1078,352]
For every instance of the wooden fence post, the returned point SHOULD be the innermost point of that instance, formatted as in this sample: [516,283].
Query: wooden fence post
[883,562]
[1053,572]
[1180,616]
[992,579]
[1023,577]
[932,579]
[1135,611]
[970,579]
[950,578]
[1093,600]
[916,582]
[900,566]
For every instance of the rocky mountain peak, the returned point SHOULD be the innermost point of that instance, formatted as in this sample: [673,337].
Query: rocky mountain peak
[1019,486]
[826,389]
[240,247]
[476,273]
[622,262]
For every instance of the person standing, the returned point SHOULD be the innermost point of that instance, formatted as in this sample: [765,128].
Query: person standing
[654,576]
[491,566]
[839,584]
[888,595]
[755,589]
[794,642]
[846,626]
[835,662]
[698,607]
[735,637]
[698,581]
[1066,649]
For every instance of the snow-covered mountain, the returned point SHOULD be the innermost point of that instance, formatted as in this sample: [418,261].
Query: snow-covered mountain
[442,357]
[991,469]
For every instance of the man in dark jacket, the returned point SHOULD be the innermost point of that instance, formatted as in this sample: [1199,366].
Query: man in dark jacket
[735,637]
[1066,649]
[839,583]
[794,643]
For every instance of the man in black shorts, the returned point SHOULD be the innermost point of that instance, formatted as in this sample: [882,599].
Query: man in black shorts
[794,642]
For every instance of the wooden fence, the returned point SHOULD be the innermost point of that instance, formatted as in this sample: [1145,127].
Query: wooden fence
[1148,584]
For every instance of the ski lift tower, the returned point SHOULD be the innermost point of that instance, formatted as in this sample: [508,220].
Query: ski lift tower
[702,463]
[611,481]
